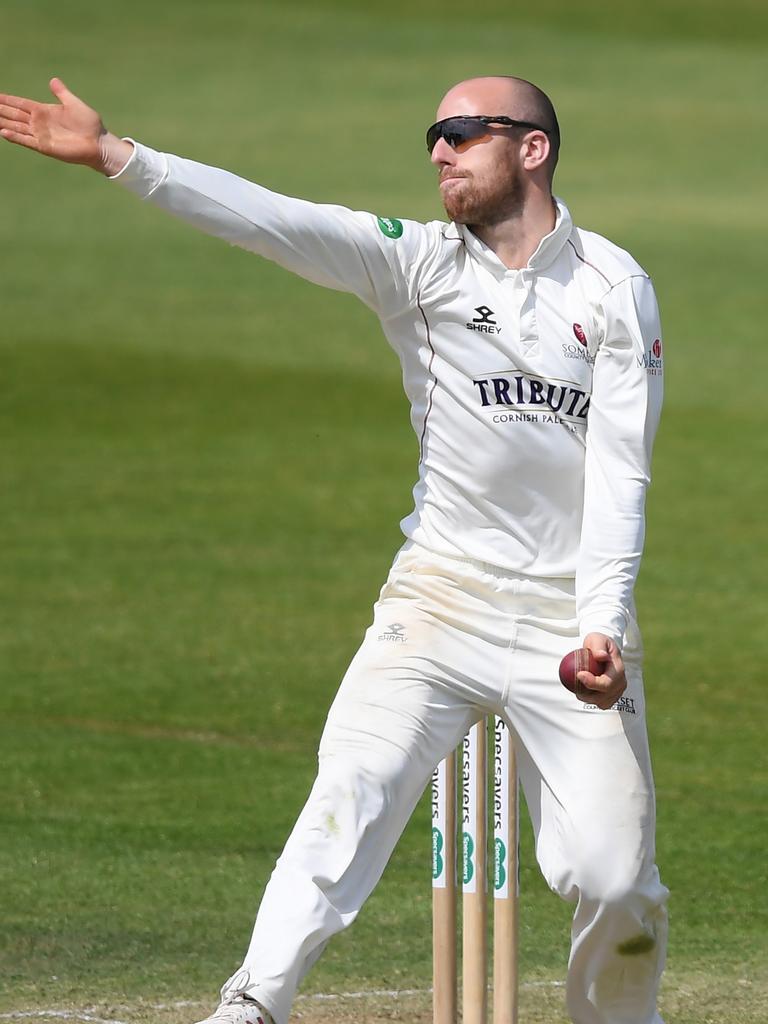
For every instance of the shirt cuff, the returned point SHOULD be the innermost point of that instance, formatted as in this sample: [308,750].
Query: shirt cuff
[613,626]
[145,171]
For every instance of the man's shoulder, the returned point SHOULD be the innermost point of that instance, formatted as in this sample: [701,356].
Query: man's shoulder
[407,231]
[424,251]
[607,261]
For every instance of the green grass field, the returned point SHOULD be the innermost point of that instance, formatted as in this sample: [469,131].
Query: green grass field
[205,461]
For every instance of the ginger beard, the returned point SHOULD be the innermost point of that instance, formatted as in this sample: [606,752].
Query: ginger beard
[497,196]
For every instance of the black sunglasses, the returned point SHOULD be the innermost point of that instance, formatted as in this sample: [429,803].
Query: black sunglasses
[456,130]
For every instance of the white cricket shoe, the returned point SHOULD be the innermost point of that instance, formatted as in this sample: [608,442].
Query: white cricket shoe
[236,1007]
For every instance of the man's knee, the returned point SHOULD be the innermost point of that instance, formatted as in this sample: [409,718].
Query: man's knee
[610,876]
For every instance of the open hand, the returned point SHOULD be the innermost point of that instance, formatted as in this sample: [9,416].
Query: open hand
[603,690]
[69,130]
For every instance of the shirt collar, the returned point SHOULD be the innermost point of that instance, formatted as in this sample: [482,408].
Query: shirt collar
[546,252]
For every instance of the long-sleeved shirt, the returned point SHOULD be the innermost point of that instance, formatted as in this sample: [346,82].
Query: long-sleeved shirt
[535,393]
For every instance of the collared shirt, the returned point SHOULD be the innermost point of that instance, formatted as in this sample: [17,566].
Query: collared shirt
[535,393]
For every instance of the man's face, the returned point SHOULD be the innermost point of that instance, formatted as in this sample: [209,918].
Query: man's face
[482,181]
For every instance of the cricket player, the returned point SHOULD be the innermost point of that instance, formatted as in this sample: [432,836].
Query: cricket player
[532,359]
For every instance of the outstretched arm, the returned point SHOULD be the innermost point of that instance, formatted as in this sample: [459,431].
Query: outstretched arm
[69,130]
[331,245]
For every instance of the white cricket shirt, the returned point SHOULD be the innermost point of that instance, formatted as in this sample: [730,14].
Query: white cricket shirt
[535,393]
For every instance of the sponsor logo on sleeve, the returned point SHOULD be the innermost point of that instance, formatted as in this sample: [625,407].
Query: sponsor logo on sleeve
[390,226]
[652,360]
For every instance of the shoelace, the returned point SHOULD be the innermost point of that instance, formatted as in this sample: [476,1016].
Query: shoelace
[231,1012]
[234,1001]
[236,986]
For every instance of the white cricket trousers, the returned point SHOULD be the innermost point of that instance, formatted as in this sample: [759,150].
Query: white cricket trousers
[453,640]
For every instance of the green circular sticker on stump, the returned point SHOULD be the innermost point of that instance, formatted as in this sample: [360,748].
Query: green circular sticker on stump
[499,856]
[437,853]
[468,847]
[390,227]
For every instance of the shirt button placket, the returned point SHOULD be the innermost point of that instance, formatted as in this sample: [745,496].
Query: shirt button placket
[517,291]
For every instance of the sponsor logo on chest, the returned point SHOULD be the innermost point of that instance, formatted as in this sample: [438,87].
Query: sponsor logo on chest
[527,393]
[578,349]
[484,321]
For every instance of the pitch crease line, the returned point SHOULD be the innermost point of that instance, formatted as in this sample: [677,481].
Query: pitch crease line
[61,1015]
[374,993]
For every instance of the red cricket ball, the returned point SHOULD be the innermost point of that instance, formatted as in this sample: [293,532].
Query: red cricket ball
[581,660]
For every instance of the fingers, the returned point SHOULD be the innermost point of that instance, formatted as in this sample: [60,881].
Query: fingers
[21,105]
[14,120]
[604,649]
[15,123]
[599,644]
[10,113]
[17,103]
[615,656]
[61,92]
[30,141]
[610,675]
[7,130]
[604,689]
[600,690]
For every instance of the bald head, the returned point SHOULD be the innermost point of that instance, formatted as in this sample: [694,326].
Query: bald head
[505,94]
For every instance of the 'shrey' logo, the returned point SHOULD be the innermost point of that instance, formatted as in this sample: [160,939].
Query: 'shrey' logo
[484,321]
[395,633]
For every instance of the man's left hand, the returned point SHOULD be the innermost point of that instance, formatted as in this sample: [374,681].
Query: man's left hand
[603,690]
